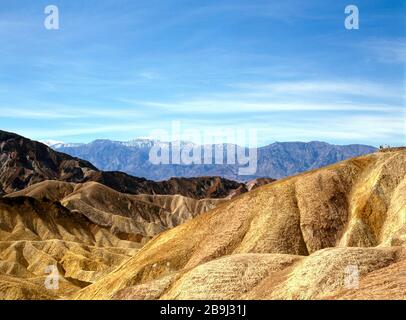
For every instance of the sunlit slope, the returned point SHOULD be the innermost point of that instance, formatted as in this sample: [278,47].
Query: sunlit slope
[274,236]
[35,234]
[86,230]
[134,217]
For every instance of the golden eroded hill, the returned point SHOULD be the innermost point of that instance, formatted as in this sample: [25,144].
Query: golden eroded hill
[35,234]
[338,232]
[131,217]
[85,230]
[303,237]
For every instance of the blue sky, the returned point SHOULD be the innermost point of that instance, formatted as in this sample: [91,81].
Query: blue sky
[121,69]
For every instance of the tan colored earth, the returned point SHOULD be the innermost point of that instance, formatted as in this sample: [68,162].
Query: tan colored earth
[338,232]
[85,230]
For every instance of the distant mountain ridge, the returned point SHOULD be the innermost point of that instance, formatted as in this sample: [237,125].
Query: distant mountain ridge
[277,160]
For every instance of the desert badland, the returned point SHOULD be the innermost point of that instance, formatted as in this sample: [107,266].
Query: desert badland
[114,236]
[209,150]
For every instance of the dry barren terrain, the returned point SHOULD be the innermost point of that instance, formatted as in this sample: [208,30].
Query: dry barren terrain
[338,232]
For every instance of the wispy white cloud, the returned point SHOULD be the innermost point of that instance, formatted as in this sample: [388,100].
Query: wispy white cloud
[319,88]
[149,75]
[58,111]
[380,129]
[289,96]
[24,113]
[84,129]
[234,106]
[387,50]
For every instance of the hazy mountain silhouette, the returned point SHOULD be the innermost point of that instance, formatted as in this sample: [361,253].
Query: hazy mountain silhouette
[276,160]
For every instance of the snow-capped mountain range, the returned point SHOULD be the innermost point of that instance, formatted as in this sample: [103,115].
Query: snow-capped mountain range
[277,160]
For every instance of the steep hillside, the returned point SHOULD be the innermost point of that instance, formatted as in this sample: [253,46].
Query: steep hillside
[130,217]
[292,239]
[85,230]
[197,188]
[295,238]
[35,234]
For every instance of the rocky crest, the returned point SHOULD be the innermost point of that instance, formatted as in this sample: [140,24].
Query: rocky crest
[24,162]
